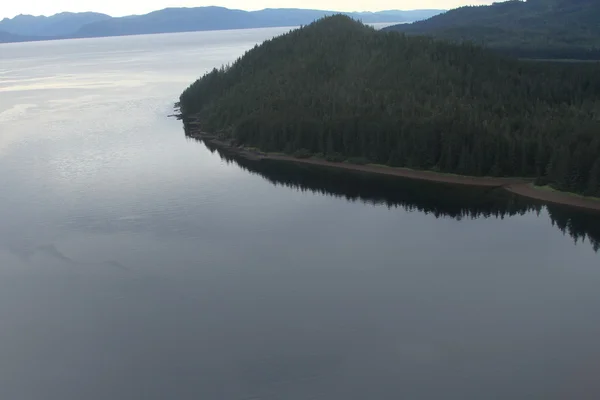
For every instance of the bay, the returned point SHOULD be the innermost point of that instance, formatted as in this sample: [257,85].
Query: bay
[138,263]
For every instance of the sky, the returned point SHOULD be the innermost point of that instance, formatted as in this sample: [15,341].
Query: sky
[10,8]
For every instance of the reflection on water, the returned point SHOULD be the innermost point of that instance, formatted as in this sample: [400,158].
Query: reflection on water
[135,264]
[579,225]
[439,199]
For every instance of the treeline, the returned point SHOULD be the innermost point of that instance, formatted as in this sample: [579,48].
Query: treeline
[547,29]
[341,90]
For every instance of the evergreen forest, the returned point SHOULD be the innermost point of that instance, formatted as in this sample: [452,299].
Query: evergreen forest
[343,91]
[543,29]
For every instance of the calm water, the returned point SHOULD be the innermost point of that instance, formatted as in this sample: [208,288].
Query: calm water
[137,264]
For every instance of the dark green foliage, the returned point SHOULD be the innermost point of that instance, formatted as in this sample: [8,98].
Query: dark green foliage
[358,160]
[302,153]
[344,90]
[335,157]
[550,29]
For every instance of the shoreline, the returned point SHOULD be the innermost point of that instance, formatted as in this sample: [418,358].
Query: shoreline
[519,186]
[430,176]
[555,197]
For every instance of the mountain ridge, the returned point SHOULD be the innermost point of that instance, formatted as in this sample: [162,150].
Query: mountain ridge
[531,29]
[60,24]
[178,19]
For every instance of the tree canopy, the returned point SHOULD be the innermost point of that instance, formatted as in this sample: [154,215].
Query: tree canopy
[342,90]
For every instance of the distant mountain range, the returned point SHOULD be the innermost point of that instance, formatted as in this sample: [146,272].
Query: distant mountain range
[62,24]
[535,28]
[85,25]
[6,37]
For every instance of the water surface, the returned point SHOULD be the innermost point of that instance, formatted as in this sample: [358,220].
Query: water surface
[136,263]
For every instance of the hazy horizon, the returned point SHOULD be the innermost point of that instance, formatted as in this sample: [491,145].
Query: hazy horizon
[119,8]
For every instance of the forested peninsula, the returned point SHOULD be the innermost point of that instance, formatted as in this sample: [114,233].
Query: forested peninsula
[340,91]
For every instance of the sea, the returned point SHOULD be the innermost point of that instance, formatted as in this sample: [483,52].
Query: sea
[138,263]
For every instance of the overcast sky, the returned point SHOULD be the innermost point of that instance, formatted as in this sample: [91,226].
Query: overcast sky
[10,8]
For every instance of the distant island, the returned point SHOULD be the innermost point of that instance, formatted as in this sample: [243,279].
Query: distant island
[337,92]
[557,29]
[170,20]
